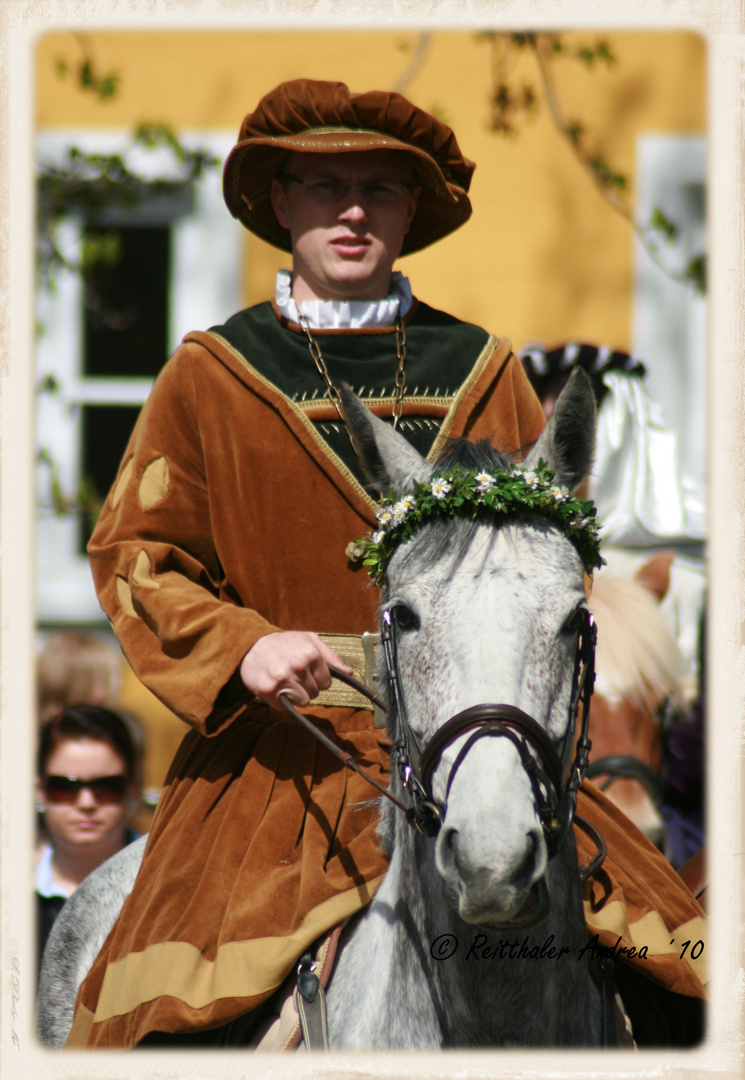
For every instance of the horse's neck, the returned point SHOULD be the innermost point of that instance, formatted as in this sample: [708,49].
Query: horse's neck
[381,992]
[413,974]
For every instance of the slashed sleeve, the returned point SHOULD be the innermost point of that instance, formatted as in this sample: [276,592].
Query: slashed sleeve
[156,570]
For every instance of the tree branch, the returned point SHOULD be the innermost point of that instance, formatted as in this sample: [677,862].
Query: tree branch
[606,181]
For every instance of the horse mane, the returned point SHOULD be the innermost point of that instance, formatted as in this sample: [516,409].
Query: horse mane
[637,655]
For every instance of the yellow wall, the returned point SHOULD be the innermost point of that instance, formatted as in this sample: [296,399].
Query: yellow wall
[543,258]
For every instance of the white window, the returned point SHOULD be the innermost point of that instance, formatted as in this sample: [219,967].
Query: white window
[179,266]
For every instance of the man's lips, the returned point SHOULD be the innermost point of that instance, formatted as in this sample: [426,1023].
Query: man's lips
[351,245]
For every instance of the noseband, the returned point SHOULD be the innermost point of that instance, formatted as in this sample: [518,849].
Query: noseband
[554,779]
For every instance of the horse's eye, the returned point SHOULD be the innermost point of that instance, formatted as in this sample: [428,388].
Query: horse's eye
[405,617]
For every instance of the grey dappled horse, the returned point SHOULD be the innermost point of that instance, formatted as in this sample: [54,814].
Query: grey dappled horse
[76,938]
[482,614]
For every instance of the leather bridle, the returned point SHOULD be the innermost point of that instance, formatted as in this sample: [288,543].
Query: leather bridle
[554,778]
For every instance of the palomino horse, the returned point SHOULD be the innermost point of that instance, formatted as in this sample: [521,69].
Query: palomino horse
[477,607]
[639,669]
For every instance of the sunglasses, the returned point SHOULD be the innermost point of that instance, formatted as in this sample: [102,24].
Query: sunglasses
[104,789]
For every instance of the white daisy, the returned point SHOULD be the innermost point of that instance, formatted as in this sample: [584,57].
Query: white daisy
[484,481]
[401,509]
[531,479]
[439,487]
[385,517]
[560,494]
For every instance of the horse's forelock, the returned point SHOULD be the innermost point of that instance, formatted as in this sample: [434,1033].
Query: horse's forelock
[469,455]
[453,536]
[449,537]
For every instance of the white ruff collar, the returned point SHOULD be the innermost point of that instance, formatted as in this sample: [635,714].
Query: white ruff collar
[345,314]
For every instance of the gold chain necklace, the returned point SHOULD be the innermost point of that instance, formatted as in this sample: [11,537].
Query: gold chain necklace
[333,393]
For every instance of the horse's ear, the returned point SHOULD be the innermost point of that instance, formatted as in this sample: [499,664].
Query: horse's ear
[567,443]
[388,460]
[655,573]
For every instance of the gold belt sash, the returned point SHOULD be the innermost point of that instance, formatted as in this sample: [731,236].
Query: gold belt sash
[359,652]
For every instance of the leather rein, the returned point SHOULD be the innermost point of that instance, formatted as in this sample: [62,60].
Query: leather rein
[625,767]
[554,778]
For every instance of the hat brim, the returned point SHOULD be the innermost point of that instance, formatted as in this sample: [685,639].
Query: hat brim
[253,164]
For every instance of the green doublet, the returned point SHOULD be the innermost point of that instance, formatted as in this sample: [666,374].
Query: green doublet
[440,353]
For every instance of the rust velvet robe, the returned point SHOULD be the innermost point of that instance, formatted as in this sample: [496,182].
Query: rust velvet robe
[229,520]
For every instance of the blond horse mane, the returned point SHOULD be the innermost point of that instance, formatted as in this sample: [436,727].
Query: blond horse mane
[637,655]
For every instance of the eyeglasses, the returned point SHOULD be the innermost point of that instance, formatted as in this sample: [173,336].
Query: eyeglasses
[104,789]
[332,189]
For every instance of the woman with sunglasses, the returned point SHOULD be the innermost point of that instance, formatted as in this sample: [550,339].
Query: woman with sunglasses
[86,786]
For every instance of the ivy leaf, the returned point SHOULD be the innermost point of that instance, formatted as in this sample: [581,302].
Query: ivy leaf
[575,131]
[661,223]
[604,53]
[101,248]
[108,86]
[49,384]
[695,272]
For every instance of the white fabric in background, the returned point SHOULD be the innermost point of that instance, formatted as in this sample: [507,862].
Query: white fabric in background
[642,497]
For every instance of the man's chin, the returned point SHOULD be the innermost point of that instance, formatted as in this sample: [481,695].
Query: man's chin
[353,280]
[349,277]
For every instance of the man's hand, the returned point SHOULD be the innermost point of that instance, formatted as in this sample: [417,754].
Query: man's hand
[293,663]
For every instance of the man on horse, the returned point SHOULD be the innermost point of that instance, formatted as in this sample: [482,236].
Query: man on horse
[223,560]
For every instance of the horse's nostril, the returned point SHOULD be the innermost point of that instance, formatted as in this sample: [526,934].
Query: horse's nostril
[526,867]
[448,850]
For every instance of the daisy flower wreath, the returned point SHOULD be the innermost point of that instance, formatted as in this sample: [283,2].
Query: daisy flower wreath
[474,494]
